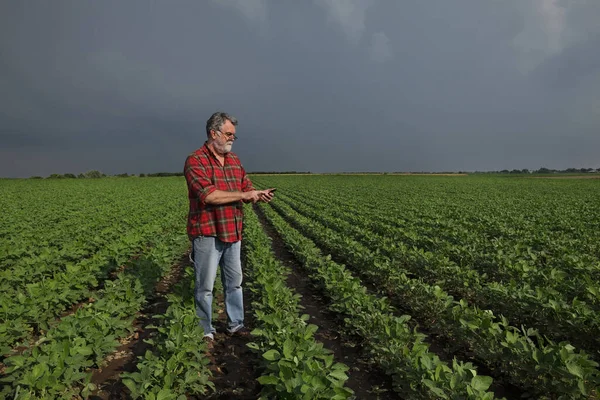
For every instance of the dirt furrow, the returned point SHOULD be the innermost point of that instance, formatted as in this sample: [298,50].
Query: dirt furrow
[233,364]
[107,379]
[365,378]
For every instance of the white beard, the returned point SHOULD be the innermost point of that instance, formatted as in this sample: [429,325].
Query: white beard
[223,149]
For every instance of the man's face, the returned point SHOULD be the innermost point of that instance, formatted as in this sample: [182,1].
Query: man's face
[223,138]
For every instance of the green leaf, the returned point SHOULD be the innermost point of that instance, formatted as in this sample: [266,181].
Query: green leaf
[575,369]
[268,380]
[38,370]
[86,351]
[272,355]
[287,348]
[338,374]
[481,382]
[165,394]
[252,345]
[310,331]
[582,388]
[433,387]
[131,385]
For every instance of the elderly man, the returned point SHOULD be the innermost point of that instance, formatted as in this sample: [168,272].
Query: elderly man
[217,187]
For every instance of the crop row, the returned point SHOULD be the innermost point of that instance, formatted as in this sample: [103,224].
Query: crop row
[58,365]
[538,365]
[176,366]
[38,288]
[56,223]
[541,308]
[531,256]
[36,306]
[295,364]
[399,350]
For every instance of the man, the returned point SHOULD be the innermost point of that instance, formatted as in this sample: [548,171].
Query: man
[217,186]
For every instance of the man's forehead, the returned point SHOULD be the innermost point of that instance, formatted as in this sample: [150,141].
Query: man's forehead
[228,126]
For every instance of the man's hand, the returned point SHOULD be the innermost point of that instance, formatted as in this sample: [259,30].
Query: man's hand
[266,195]
[252,196]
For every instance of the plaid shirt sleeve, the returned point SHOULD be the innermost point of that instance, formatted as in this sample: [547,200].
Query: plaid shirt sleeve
[246,183]
[198,180]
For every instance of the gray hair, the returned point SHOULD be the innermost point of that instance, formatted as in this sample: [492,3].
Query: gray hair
[216,121]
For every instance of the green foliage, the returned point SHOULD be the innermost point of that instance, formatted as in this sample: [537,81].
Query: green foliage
[433,234]
[54,256]
[400,350]
[58,365]
[504,269]
[57,255]
[296,366]
[176,365]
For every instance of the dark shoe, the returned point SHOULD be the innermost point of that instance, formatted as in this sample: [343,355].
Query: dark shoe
[239,330]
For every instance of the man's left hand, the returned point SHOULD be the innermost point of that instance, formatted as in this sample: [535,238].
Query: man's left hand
[266,195]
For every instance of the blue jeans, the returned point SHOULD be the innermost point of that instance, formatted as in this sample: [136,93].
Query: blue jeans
[208,253]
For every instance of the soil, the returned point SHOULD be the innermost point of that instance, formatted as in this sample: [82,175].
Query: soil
[365,379]
[124,359]
[234,366]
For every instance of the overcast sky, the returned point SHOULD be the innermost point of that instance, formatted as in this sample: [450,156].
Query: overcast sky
[317,85]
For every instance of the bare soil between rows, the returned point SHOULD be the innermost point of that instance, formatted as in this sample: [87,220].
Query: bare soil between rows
[107,379]
[234,366]
[366,379]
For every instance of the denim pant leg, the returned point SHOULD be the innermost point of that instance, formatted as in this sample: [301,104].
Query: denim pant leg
[231,276]
[206,260]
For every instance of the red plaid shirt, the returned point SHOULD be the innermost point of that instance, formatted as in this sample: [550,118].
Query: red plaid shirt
[205,174]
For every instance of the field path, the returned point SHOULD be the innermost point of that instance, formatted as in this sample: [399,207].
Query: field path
[233,364]
[365,379]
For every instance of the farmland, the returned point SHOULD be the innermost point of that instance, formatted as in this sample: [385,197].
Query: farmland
[407,286]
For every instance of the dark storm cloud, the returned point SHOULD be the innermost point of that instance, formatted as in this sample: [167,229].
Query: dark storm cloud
[572,66]
[18,140]
[349,85]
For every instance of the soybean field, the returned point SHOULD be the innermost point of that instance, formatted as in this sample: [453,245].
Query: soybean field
[356,286]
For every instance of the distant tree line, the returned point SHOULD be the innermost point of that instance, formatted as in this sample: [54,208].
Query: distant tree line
[94,174]
[544,170]
[86,175]
[278,172]
[162,174]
